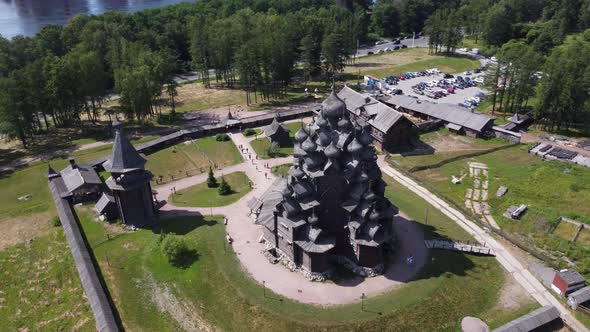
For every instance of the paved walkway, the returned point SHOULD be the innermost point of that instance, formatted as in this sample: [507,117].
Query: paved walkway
[278,278]
[504,257]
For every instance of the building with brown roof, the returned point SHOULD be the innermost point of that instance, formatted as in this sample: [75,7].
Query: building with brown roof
[389,128]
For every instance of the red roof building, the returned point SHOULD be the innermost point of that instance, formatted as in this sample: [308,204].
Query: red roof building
[567,281]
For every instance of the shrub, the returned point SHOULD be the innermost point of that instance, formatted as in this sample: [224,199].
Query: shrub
[55,222]
[222,137]
[176,250]
[224,187]
[211,180]
[249,132]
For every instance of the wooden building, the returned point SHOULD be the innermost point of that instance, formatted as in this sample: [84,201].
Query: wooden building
[567,281]
[81,182]
[457,119]
[389,128]
[130,182]
[332,203]
[278,133]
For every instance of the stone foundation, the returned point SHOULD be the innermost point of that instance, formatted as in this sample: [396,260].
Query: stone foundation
[279,256]
[360,270]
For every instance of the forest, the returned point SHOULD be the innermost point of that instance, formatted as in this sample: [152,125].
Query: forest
[65,73]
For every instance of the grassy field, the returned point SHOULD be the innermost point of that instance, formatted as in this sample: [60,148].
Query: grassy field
[40,289]
[149,292]
[398,62]
[203,196]
[191,158]
[446,145]
[550,189]
[261,145]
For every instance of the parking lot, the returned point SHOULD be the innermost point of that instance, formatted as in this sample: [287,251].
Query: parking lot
[455,98]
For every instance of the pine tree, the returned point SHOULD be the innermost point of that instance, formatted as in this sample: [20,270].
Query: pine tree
[211,181]
[224,187]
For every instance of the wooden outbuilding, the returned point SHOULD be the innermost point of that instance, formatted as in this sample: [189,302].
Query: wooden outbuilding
[567,281]
[278,133]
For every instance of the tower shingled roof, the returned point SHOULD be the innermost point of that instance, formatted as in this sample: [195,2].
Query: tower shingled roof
[124,158]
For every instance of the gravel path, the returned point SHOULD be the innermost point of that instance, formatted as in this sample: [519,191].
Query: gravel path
[278,278]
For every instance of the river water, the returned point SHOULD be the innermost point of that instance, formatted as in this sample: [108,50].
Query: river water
[27,17]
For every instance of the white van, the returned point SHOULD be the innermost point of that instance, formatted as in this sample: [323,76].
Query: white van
[475,50]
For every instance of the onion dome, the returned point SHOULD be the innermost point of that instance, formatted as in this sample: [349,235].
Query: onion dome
[311,161]
[324,138]
[309,145]
[365,138]
[363,177]
[298,173]
[375,215]
[344,124]
[332,151]
[313,219]
[321,121]
[287,191]
[301,135]
[355,146]
[298,152]
[333,107]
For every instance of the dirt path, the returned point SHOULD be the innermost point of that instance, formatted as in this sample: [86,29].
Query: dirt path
[277,277]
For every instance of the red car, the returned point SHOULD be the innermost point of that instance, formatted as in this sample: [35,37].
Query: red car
[402,77]
[450,90]
[438,95]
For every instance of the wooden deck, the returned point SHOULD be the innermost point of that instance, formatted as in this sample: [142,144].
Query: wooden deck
[458,246]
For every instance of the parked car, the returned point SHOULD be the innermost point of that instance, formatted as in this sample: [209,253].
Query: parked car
[370,53]
[397,91]
[380,42]
[380,51]
[450,90]
[468,73]
[395,48]
[404,46]
[448,76]
[478,80]
[396,42]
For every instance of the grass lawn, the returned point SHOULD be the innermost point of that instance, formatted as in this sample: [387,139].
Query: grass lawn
[446,145]
[191,158]
[281,170]
[254,132]
[584,238]
[550,189]
[261,145]
[40,289]
[398,62]
[150,293]
[565,230]
[203,196]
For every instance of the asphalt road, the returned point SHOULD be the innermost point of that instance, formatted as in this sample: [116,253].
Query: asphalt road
[420,42]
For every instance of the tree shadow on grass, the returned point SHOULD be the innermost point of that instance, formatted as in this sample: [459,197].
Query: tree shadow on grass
[181,222]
